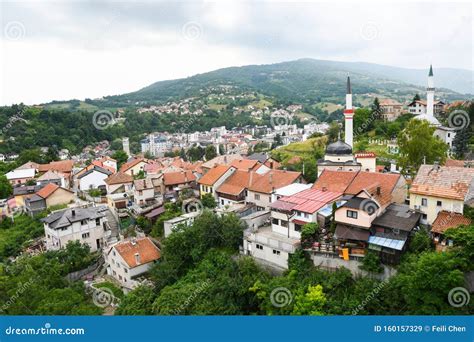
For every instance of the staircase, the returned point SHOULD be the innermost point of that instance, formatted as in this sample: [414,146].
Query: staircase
[113,225]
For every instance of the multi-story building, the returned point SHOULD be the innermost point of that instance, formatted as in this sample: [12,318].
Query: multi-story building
[129,259]
[87,225]
[390,109]
[441,188]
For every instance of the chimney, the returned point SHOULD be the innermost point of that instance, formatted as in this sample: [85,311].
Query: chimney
[73,212]
[137,258]
[379,190]
[324,189]
[133,241]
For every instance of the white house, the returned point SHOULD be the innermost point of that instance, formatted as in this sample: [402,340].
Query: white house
[186,220]
[93,178]
[87,225]
[131,258]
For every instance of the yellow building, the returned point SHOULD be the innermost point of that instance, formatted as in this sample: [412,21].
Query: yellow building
[441,188]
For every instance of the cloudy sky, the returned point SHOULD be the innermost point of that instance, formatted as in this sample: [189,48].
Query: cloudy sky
[77,49]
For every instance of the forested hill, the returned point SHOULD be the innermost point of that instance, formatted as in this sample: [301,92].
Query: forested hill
[307,80]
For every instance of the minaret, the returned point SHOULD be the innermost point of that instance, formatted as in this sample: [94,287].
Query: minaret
[348,115]
[430,94]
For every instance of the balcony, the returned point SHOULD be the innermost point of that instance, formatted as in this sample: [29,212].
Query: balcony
[267,237]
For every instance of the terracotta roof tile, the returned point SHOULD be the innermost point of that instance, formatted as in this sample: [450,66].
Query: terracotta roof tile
[211,176]
[274,179]
[334,180]
[179,177]
[132,163]
[47,190]
[118,178]
[446,220]
[244,164]
[443,181]
[237,182]
[64,166]
[144,247]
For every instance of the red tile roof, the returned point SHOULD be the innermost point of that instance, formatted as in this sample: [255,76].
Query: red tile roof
[132,163]
[353,182]
[47,190]
[446,220]
[244,164]
[180,177]
[118,178]
[334,180]
[365,155]
[237,182]
[309,201]
[273,179]
[64,166]
[144,247]
[443,181]
[213,175]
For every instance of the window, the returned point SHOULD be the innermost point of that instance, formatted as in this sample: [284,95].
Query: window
[439,203]
[424,202]
[256,197]
[125,270]
[352,214]
[83,222]
[424,217]
[284,223]
[85,235]
[306,215]
[276,252]
[276,221]
[222,202]
[259,246]
[97,222]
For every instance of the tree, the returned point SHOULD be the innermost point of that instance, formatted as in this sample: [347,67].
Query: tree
[371,263]
[311,302]
[121,157]
[463,238]
[376,110]
[210,152]
[416,97]
[6,188]
[421,242]
[309,233]
[333,131]
[418,145]
[461,142]
[137,302]
[208,201]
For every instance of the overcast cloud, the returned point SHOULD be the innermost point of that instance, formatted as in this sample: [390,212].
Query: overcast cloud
[77,49]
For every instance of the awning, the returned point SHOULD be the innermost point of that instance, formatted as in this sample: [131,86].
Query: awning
[388,243]
[299,222]
[155,212]
[351,233]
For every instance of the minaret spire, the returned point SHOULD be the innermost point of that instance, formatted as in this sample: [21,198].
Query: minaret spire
[348,115]
[430,93]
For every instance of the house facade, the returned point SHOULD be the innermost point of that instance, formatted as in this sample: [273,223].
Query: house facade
[127,260]
[86,225]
